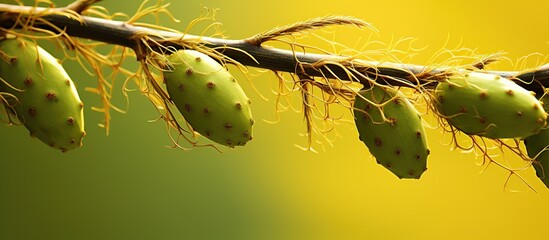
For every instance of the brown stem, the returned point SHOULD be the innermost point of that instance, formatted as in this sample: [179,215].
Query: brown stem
[121,33]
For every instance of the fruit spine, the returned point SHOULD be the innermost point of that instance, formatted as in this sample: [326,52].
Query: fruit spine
[489,105]
[46,100]
[209,98]
[393,131]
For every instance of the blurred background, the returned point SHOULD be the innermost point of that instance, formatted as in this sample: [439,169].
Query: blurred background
[129,185]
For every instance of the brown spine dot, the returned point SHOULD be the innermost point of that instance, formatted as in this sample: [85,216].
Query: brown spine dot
[519,113]
[64,150]
[246,134]
[51,96]
[72,141]
[28,81]
[428,151]
[181,87]
[207,133]
[411,173]
[189,72]
[229,142]
[440,98]
[392,121]
[418,134]
[418,156]
[510,92]
[210,85]
[483,95]
[206,110]
[482,120]
[536,106]
[187,107]
[367,107]
[252,122]
[378,142]
[32,111]
[462,109]
[198,59]
[540,121]
[83,133]
[397,100]
[71,121]
[228,126]
[13,60]
[81,105]
[388,165]
[397,152]
[238,106]
[249,101]
[68,82]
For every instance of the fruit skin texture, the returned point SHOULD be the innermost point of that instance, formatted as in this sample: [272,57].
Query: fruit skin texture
[489,105]
[399,144]
[47,101]
[209,98]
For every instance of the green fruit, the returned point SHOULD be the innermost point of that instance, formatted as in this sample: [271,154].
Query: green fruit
[399,143]
[209,98]
[536,148]
[489,105]
[47,101]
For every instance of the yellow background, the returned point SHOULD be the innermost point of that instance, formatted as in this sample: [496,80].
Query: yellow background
[129,186]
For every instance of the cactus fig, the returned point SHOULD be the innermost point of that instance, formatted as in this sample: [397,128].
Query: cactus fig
[209,98]
[537,147]
[489,105]
[393,133]
[47,102]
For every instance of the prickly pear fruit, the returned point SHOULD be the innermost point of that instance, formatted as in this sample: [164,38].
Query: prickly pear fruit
[398,141]
[209,98]
[537,147]
[489,105]
[47,101]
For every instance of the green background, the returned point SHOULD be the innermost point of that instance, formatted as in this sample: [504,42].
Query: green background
[128,185]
